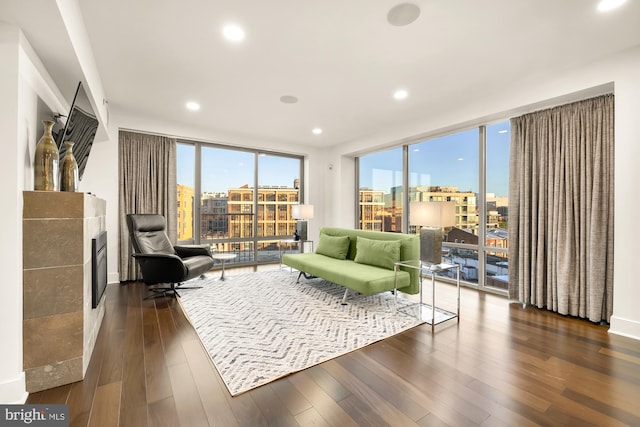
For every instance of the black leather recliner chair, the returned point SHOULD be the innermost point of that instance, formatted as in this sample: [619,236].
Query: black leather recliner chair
[159,260]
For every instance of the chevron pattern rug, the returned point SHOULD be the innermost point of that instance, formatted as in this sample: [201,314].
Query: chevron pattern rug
[259,327]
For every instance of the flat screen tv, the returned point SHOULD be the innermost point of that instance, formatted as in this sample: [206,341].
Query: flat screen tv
[80,128]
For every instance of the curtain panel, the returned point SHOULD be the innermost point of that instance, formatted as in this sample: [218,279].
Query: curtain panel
[561,209]
[147,184]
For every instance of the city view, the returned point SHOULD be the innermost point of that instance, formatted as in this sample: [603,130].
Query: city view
[440,169]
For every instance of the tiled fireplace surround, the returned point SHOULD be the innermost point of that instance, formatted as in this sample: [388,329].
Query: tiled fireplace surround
[60,327]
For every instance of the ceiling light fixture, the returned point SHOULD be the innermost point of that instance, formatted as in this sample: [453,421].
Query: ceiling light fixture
[233,33]
[400,94]
[403,14]
[316,131]
[607,5]
[193,106]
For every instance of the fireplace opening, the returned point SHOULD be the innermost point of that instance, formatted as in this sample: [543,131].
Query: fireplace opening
[98,268]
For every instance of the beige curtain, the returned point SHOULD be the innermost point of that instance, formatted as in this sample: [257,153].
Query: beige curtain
[147,178]
[561,209]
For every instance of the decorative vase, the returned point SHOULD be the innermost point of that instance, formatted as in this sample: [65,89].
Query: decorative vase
[45,168]
[69,170]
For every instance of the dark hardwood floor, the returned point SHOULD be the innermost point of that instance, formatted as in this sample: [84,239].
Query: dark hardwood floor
[500,366]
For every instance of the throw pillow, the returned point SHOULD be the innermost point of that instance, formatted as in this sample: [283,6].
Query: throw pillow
[333,246]
[379,253]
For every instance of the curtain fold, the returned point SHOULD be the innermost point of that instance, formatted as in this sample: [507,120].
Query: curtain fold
[147,184]
[561,209]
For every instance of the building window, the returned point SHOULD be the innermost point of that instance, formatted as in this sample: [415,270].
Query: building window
[237,190]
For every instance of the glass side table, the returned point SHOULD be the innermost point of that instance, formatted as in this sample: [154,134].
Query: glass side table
[430,313]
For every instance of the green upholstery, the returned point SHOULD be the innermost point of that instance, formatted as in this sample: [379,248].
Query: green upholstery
[379,253]
[363,278]
[333,246]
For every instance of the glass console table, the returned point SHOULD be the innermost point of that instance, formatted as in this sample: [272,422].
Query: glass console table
[430,313]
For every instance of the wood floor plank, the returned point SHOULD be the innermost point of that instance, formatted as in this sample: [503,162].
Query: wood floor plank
[163,413]
[363,400]
[331,412]
[292,398]
[274,411]
[186,396]
[133,405]
[311,418]
[105,411]
[502,365]
[156,372]
[212,392]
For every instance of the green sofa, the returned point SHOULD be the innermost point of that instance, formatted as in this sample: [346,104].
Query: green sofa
[368,270]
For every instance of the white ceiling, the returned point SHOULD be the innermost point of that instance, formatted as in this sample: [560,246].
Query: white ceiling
[341,58]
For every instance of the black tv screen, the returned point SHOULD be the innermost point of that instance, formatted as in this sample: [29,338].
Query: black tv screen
[80,128]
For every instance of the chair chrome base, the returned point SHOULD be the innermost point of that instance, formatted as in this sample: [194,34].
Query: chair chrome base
[170,290]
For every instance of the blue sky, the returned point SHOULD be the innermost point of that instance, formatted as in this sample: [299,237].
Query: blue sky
[223,169]
[451,160]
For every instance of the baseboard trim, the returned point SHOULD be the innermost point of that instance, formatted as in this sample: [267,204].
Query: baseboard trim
[113,278]
[14,391]
[625,327]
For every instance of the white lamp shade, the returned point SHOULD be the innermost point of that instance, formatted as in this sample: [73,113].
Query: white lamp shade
[432,214]
[302,211]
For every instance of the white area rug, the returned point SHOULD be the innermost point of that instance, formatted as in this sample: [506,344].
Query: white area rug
[258,327]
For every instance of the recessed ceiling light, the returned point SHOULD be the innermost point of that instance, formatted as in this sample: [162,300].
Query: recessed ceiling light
[288,99]
[403,14]
[193,106]
[400,94]
[316,131]
[233,33]
[607,5]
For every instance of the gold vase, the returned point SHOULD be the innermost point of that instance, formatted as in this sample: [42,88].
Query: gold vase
[45,168]
[69,170]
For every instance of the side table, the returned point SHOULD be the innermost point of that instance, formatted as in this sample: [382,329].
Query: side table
[430,313]
[222,258]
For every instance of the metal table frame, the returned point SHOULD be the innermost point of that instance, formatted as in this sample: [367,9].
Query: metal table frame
[432,269]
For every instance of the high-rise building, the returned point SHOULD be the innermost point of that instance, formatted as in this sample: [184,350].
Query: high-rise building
[185,197]
[372,210]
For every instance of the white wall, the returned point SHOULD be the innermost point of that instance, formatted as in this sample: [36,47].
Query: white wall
[28,96]
[621,72]
[12,385]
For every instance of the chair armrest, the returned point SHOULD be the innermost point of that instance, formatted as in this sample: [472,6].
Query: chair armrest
[161,268]
[185,251]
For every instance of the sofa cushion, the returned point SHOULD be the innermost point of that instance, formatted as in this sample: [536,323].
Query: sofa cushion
[333,246]
[378,253]
[362,278]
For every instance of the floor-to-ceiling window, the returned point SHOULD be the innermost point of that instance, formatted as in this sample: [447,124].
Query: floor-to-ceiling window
[498,138]
[380,191]
[470,169]
[445,169]
[240,200]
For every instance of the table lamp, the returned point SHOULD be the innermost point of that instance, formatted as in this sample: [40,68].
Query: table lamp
[302,213]
[432,217]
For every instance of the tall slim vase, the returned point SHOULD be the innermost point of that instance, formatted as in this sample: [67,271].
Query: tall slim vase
[45,167]
[69,170]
